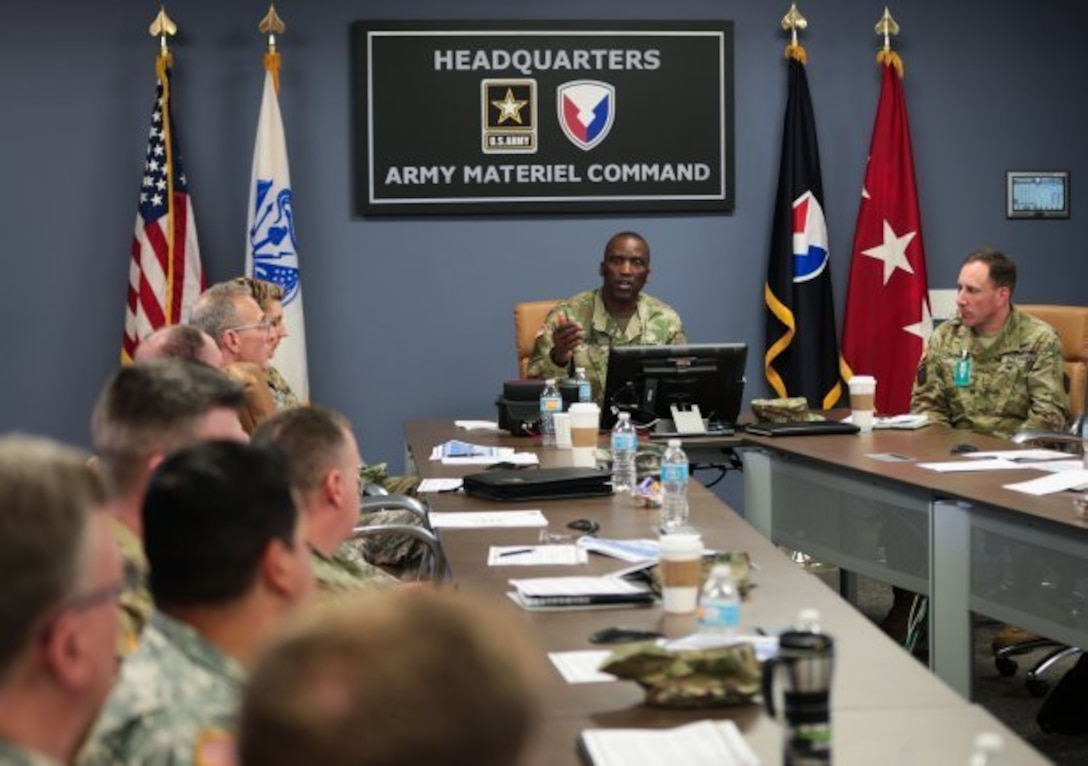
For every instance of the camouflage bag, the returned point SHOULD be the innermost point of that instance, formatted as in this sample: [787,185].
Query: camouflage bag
[689,678]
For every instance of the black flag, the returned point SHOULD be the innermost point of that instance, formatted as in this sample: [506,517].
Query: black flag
[802,354]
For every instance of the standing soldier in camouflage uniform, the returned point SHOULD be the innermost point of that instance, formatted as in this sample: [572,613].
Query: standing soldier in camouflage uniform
[992,369]
[145,412]
[323,469]
[60,572]
[584,327]
[228,561]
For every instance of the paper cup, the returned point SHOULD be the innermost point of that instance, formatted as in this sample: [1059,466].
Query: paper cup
[562,430]
[681,572]
[585,419]
[863,400]
[583,457]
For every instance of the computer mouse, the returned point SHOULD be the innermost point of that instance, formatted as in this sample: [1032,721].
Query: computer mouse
[960,449]
[584,525]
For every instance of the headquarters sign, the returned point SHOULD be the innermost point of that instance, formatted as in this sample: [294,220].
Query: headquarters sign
[543,117]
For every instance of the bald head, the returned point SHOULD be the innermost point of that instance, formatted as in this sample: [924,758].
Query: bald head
[180,341]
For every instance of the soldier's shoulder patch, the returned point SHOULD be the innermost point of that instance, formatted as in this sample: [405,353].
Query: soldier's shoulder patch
[921,374]
[215,747]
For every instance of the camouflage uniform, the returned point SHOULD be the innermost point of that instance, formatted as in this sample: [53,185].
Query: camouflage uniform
[13,755]
[654,323]
[176,702]
[387,550]
[281,389]
[337,576]
[1016,381]
[134,604]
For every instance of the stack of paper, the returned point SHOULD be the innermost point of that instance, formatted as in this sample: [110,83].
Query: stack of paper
[457,452]
[703,743]
[564,592]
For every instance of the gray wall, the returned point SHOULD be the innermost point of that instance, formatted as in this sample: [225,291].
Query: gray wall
[410,318]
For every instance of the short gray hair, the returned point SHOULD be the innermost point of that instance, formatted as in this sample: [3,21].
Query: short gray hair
[47,492]
[216,309]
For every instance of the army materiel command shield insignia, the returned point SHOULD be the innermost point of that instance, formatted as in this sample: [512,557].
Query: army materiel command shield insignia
[586,111]
[509,116]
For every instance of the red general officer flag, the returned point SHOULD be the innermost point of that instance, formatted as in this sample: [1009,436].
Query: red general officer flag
[888,319]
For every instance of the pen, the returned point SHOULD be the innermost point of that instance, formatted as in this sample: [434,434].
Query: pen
[515,552]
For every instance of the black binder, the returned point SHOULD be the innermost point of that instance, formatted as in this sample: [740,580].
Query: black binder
[538,483]
[804,428]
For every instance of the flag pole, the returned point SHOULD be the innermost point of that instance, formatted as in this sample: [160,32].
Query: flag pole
[887,28]
[163,27]
[272,25]
[791,22]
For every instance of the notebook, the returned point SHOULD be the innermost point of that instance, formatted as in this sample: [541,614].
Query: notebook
[808,428]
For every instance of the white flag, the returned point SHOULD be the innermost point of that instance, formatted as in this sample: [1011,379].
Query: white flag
[271,252]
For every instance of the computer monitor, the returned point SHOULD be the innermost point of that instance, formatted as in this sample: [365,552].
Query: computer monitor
[647,380]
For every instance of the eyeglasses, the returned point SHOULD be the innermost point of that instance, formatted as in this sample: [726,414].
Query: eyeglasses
[92,598]
[106,594]
[264,326]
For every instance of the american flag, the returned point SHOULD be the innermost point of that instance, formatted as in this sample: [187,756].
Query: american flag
[165,277]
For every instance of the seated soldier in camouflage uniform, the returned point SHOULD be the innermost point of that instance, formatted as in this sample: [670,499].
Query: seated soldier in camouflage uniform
[323,461]
[228,561]
[60,572]
[359,685]
[145,412]
[387,550]
[991,369]
[579,331]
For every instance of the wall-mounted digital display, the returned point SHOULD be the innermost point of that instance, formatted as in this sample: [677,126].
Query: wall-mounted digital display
[1037,194]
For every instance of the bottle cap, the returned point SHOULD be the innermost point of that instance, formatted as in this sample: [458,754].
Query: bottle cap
[624,416]
[989,742]
[721,569]
[808,617]
[549,381]
[674,442]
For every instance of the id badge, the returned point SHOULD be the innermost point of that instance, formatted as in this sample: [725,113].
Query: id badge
[961,373]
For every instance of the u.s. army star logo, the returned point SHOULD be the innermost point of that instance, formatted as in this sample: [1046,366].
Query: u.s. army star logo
[509,116]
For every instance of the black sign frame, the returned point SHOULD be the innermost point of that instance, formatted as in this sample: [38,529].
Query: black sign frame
[484,117]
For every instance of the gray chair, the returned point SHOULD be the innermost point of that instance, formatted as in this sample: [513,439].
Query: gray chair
[432,565]
[372,503]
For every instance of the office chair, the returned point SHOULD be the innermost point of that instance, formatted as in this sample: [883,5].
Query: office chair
[528,319]
[1071,322]
[387,502]
[432,566]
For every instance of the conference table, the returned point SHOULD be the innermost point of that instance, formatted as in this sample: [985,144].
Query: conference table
[962,539]
[886,707]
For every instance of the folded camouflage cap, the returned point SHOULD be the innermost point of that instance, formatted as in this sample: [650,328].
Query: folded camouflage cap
[793,409]
[689,678]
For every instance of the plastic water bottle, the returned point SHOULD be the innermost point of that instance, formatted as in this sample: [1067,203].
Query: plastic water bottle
[1084,439]
[550,403]
[988,749]
[585,392]
[719,603]
[624,446]
[674,485]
